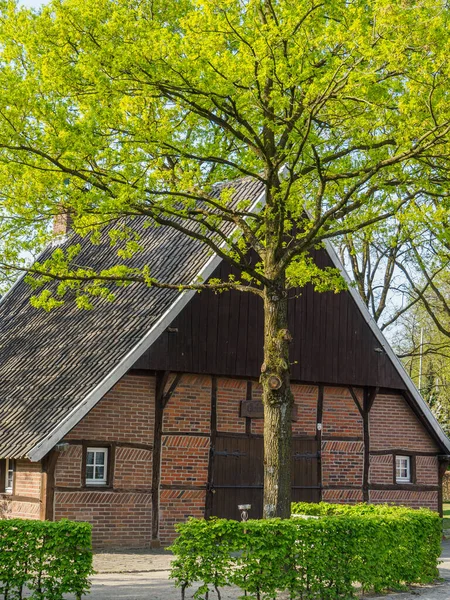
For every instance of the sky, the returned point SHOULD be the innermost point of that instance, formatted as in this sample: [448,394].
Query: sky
[32,3]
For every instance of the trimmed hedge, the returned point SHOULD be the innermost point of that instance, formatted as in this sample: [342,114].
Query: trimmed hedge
[50,559]
[377,547]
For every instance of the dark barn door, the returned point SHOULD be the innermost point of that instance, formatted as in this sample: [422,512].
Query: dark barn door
[237,475]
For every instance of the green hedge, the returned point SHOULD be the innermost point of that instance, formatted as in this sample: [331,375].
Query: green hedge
[50,559]
[377,547]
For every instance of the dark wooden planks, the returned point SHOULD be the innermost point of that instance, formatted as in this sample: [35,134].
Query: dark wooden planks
[222,334]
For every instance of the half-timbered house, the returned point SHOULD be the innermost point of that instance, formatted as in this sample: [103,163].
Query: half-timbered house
[142,412]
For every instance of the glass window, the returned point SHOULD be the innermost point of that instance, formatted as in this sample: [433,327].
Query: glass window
[9,475]
[96,466]
[403,469]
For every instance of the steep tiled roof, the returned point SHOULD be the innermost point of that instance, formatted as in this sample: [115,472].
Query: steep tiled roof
[50,362]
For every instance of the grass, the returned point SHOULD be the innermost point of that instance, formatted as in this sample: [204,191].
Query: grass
[446,519]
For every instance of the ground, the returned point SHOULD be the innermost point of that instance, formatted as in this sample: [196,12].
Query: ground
[446,519]
[145,575]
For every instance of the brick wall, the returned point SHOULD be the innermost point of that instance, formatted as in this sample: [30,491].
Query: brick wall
[119,519]
[393,425]
[25,502]
[186,446]
[120,515]
[341,417]
[126,414]
[189,409]
[27,479]
[177,506]
[184,460]
[381,469]
[342,463]
[230,393]
[342,447]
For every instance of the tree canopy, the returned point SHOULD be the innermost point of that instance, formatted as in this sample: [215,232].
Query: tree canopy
[113,108]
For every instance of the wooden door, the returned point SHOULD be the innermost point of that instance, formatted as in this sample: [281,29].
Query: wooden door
[237,474]
[305,471]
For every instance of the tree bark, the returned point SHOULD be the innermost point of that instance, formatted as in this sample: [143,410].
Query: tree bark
[278,400]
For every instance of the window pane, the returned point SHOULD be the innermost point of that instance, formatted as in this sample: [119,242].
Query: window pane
[9,475]
[90,458]
[403,468]
[89,472]
[100,458]
[99,472]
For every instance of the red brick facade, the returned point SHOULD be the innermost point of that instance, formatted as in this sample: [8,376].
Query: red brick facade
[121,513]
[124,422]
[25,500]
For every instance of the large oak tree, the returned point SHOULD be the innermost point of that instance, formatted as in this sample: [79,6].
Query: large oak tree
[114,108]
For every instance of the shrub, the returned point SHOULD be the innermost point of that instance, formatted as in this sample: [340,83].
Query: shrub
[50,559]
[378,547]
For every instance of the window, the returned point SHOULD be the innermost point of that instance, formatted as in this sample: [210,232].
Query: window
[9,475]
[97,466]
[403,469]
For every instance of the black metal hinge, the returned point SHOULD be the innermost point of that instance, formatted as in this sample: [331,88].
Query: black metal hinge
[235,454]
[307,455]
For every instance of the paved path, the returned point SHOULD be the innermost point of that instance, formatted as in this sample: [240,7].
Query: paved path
[145,576]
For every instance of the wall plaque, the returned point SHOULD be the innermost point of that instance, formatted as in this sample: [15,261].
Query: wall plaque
[255,410]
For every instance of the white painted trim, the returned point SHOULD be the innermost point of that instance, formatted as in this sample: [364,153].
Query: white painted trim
[399,478]
[76,414]
[422,405]
[93,480]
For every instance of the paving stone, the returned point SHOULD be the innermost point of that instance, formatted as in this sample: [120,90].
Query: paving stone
[145,576]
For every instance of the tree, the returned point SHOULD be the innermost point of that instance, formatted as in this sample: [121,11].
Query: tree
[114,108]
[372,259]
[425,352]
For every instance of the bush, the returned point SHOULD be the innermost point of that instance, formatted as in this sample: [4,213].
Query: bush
[378,547]
[50,559]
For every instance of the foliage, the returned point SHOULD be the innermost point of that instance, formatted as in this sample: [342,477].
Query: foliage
[422,340]
[113,108]
[378,547]
[51,559]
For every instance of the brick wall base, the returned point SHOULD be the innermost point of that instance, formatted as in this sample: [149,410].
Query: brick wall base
[121,514]
[121,520]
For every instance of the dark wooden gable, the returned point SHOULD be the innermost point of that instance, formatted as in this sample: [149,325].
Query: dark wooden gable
[222,334]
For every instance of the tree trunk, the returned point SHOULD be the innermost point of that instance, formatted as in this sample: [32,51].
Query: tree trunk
[278,400]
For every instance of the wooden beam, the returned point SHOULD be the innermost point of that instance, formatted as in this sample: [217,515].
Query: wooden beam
[161,380]
[405,487]
[168,395]
[401,451]
[443,464]
[369,395]
[373,392]
[47,512]
[356,400]
[248,421]
[319,433]
[212,446]
[366,435]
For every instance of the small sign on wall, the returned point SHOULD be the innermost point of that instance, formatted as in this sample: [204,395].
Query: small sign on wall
[255,409]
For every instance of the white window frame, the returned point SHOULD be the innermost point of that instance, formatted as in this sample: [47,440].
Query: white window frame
[94,480]
[10,467]
[402,478]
